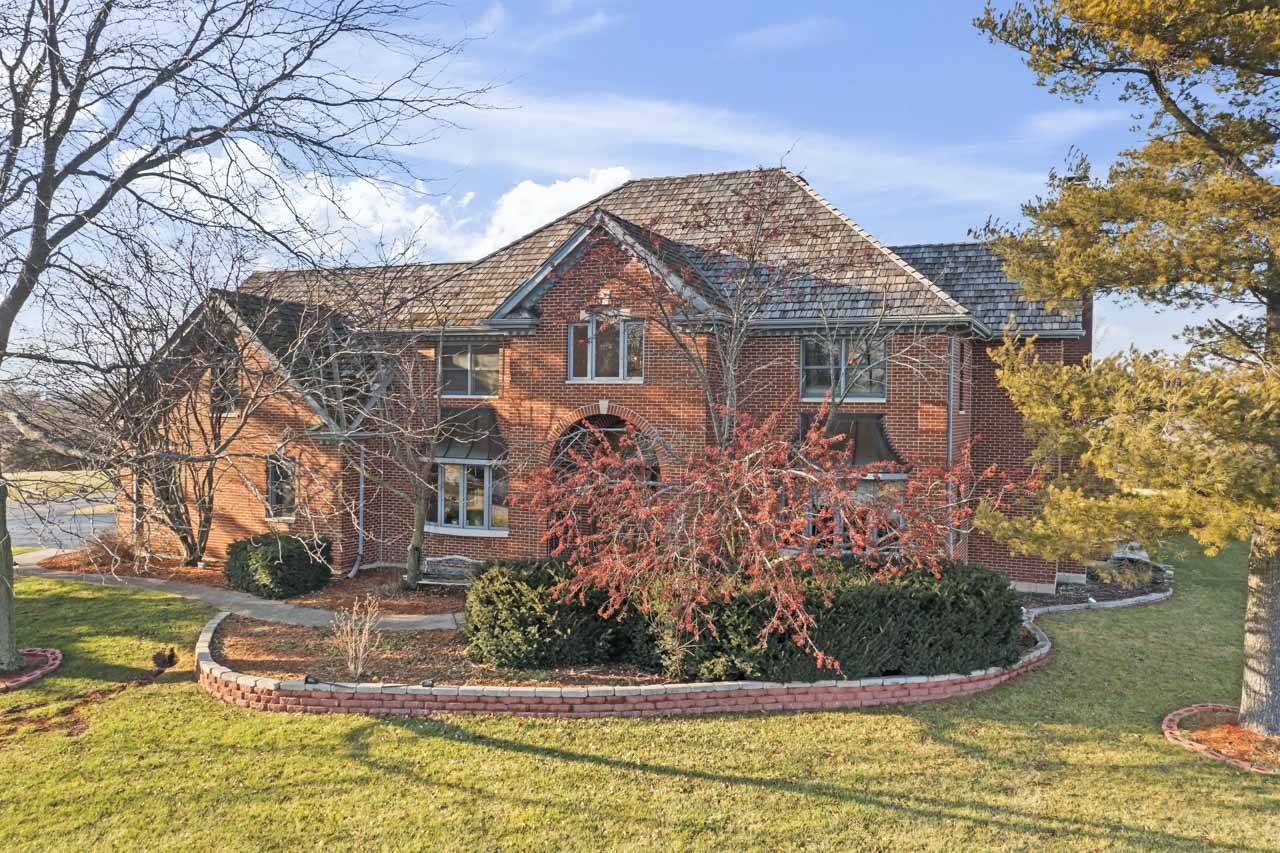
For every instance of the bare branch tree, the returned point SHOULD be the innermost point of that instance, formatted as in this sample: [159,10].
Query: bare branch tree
[125,119]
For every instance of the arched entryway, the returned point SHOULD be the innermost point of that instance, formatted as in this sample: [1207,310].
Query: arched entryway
[577,440]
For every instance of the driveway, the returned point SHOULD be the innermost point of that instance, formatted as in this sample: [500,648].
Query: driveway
[57,525]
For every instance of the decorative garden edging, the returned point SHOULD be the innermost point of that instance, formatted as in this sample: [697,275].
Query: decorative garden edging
[271,694]
[1173,734]
[1136,601]
[52,660]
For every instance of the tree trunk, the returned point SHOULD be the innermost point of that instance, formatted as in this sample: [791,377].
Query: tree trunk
[413,558]
[9,657]
[1260,696]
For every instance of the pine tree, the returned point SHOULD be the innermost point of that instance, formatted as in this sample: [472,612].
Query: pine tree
[1189,217]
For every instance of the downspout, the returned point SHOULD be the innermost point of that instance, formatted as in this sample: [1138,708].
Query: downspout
[951,402]
[355,568]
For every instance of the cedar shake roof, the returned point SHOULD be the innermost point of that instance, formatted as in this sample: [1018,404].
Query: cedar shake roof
[974,276]
[690,222]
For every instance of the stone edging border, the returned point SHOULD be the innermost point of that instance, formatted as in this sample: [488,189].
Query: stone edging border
[1135,601]
[1173,734]
[52,660]
[271,694]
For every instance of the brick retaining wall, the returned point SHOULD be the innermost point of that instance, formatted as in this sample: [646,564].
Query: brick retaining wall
[270,694]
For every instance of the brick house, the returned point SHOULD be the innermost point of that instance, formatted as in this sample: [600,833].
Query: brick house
[557,328]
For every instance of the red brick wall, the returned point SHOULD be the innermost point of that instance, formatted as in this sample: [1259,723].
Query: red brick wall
[277,420]
[536,405]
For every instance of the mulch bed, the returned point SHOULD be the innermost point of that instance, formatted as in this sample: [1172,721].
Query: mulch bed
[1100,590]
[91,561]
[384,584]
[266,649]
[340,593]
[1212,730]
[38,663]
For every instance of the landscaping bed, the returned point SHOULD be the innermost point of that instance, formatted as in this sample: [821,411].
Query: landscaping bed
[1213,730]
[94,561]
[290,652]
[340,593]
[1097,589]
[1066,758]
[37,663]
[392,597]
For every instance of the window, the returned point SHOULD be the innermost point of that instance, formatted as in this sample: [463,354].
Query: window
[469,370]
[607,349]
[280,490]
[961,385]
[845,369]
[469,496]
[224,389]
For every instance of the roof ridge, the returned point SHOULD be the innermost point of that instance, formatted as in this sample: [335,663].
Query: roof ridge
[866,235]
[940,243]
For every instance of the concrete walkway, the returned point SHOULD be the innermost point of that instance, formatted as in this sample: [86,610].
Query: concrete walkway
[237,602]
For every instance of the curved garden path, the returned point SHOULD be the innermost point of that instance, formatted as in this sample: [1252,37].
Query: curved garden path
[240,603]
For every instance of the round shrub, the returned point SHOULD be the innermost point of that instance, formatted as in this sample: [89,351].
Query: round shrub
[278,565]
[513,619]
[911,625]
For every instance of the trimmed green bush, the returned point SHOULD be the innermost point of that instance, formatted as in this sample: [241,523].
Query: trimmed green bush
[278,565]
[513,620]
[913,625]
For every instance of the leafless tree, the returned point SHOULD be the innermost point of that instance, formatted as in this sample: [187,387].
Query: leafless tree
[127,118]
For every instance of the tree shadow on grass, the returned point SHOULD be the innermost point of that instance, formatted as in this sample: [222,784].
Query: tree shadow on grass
[998,816]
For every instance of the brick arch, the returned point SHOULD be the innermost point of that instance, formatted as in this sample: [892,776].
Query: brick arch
[605,407]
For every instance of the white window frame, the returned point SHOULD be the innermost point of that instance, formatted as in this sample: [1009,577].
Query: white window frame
[461,528]
[471,371]
[625,324]
[840,381]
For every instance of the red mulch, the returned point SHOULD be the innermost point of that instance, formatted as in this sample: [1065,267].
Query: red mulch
[266,649]
[339,594]
[92,561]
[38,663]
[384,584]
[1218,731]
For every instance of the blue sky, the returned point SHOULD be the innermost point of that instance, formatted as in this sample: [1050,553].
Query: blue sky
[900,113]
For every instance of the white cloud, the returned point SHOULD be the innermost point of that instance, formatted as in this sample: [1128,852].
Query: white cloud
[1071,122]
[529,205]
[492,19]
[593,23]
[788,35]
[556,135]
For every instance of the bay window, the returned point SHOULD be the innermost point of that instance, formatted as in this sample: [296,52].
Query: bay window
[606,349]
[470,497]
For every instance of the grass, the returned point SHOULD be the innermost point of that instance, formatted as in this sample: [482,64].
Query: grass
[95,509]
[1069,757]
[24,549]
[39,486]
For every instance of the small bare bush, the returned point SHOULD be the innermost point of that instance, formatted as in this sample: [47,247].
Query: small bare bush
[356,635]
[108,549]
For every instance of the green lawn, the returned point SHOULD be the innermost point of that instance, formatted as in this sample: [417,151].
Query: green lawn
[1069,757]
[37,486]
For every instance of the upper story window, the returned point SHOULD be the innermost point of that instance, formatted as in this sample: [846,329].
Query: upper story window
[843,369]
[962,386]
[606,349]
[280,488]
[224,385]
[469,370]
